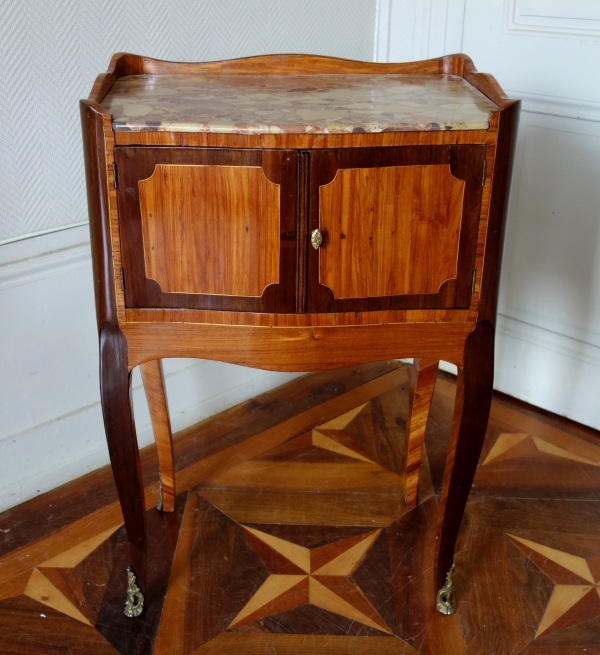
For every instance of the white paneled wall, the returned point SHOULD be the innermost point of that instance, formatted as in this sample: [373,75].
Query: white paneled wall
[50,53]
[545,52]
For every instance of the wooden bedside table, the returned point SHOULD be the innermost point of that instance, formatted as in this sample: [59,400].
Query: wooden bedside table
[297,213]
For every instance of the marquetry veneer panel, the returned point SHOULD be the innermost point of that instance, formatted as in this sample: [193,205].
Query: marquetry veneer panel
[390,231]
[210,229]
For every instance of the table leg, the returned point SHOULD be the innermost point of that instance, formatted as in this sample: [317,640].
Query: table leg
[152,375]
[115,388]
[469,424]
[423,374]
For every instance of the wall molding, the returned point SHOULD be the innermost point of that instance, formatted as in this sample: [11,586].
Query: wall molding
[44,265]
[532,103]
[559,342]
[575,18]
[527,353]
[50,230]
[548,369]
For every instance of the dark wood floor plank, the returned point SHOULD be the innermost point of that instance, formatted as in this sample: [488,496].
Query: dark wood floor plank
[136,636]
[511,604]
[377,507]
[310,536]
[437,432]
[374,579]
[523,516]
[85,584]
[581,638]
[231,643]
[308,619]
[411,541]
[215,573]
[560,649]
[539,475]
[299,476]
[31,628]
[273,408]
[529,418]
[378,437]
[26,557]
[266,440]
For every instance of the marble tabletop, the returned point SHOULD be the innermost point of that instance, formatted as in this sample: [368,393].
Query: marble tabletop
[296,104]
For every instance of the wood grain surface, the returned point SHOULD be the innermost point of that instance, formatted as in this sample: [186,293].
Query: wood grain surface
[353,267]
[298,349]
[422,383]
[72,521]
[390,231]
[210,229]
[300,141]
[298,320]
[117,412]
[96,156]
[203,253]
[154,386]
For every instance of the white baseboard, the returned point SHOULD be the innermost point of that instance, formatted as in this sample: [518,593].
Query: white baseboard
[549,369]
[546,368]
[52,430]
[555,106]
[53,453]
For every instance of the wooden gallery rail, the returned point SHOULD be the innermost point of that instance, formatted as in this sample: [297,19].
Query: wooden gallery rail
[356,215]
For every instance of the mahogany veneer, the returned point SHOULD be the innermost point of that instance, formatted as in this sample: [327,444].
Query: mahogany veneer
[204,204]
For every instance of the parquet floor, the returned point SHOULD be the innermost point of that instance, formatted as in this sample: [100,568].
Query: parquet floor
[290,536]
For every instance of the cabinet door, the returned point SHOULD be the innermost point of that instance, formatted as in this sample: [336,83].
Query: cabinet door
[399,227]
[205,228]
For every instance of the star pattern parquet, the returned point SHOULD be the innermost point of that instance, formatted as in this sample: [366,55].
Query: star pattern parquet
[302,543]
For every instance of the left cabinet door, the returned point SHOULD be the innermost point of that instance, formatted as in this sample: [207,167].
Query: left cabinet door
[209,228]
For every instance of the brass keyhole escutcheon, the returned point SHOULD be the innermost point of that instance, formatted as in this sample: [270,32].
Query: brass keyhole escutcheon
[316,239]
[135,598]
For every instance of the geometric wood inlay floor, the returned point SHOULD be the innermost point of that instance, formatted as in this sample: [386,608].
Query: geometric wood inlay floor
[291,536]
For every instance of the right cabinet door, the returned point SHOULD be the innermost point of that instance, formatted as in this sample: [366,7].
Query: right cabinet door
[399,227]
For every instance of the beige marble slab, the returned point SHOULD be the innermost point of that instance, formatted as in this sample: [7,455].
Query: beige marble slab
[296,104]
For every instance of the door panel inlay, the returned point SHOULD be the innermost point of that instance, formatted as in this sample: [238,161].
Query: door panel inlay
[210,229]
[390,231]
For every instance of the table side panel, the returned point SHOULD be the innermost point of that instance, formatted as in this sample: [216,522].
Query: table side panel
[109,144]
[490,158]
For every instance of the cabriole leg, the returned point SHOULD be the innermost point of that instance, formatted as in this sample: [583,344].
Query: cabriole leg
[469,424]
[423,374]
[115,387]
[152,374]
